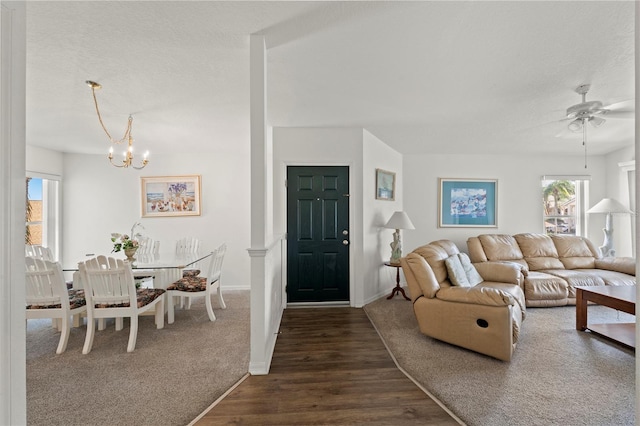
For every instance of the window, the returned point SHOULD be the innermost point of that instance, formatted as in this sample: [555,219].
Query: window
[564,203]
[34,211]
[43,218]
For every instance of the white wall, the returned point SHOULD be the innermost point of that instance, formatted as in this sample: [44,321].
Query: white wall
[99,199]
[378,279]
[519,189]
[363,153]
[323,147]
[44,161]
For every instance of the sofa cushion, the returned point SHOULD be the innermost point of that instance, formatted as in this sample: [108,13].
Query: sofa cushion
[457,275]
[461,272]
[611,277]
[626,265]
[500,247]
[542,286]
[473,275]
[449,246]
[575,252]
[577,278]
[539,251]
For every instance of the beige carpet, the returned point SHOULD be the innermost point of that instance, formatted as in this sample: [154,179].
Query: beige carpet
[171,377]
[558,376]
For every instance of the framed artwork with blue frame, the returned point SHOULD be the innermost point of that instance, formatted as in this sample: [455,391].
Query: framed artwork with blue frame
[468,203]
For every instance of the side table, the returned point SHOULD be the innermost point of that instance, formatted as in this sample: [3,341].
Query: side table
[397,288]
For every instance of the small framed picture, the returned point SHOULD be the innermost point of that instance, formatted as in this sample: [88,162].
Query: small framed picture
[385,185]
[468,203]
[170,196]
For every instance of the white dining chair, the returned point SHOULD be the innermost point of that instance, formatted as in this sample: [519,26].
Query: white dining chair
[39,252]
[110,292]
[47,297]
[187,245]
[184,246]
[200,286]
[147,249]
[148,246]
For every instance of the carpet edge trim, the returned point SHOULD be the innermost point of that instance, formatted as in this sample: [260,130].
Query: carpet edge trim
[422,388]
[220,398]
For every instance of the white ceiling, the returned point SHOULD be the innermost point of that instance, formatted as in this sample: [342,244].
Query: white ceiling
[445,77]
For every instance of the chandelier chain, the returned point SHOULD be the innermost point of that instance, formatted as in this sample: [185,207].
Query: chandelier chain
[127,132]
[127,161]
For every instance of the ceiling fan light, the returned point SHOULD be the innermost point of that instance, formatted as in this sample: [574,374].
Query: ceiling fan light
[596,121]
[575,125]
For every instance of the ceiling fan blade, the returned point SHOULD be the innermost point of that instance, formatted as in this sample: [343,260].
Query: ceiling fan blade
[628,105]
[624,109]
[620,114]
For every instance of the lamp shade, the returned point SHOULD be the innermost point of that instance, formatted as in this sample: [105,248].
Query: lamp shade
[609,205]
[399,220]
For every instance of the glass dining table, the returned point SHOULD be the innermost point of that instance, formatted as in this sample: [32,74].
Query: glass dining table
[165,268]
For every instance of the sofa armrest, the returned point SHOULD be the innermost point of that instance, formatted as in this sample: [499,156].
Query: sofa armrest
[626,265]
[506,272]
[476,296]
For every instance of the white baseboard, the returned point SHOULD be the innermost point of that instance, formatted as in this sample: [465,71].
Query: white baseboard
[235,287]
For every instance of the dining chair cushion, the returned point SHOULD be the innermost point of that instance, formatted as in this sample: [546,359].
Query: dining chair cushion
[76,300]
[144,297]
[189,273]
[193,284]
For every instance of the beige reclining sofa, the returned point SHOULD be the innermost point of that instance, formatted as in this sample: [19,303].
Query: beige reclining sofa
[552,265]
[483,313]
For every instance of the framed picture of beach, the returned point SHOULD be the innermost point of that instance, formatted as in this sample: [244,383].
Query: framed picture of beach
[468,203]
[385,185]
[170,196]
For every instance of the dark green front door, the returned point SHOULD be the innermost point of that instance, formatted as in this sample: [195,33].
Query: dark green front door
[317,233]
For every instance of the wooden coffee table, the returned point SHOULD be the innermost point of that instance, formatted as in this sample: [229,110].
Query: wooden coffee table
[621,298]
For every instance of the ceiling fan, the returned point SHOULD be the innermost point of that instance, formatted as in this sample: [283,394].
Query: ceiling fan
[592,112]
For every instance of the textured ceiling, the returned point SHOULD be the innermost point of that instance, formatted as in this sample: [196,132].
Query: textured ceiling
[446,77]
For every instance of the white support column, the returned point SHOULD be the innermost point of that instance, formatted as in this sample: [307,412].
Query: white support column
[637,195]
[13,401]
[258,364]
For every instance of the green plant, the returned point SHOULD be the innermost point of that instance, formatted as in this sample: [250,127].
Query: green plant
[122,242]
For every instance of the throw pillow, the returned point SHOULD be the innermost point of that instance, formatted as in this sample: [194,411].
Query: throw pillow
[457,274]
[473,276]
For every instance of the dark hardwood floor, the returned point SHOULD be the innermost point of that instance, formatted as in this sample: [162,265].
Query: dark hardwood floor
[329,367]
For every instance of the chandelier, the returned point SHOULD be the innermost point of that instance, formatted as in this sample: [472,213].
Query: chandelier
[127,161]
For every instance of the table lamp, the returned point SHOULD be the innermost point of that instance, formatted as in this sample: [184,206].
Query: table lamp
[398,221]
[610,207]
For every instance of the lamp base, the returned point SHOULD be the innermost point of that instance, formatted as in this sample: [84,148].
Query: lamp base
[396,248]
[607,249]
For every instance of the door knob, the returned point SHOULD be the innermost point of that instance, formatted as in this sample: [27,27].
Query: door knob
[345,242]
[345,232]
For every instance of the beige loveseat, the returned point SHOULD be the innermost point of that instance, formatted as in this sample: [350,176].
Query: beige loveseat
[552,265]
[484,318]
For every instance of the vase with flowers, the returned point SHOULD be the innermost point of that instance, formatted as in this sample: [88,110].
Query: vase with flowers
[126,243]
